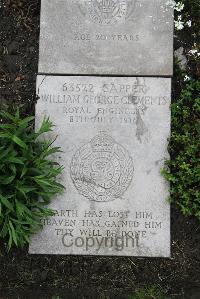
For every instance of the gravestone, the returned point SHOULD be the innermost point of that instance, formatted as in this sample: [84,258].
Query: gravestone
[123,37]
[112,121]
[113,132]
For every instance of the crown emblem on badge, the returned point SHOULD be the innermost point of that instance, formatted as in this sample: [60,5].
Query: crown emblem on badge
[108,12]
[102,143]
[106,6]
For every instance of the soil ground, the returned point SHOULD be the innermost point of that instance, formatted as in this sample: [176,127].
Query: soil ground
[26,276]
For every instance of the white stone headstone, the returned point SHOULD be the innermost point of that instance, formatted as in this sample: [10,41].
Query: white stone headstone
[110,37]
[113,132]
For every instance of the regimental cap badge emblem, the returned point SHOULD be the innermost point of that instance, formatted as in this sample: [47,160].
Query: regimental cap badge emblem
[102,169]
[107,12]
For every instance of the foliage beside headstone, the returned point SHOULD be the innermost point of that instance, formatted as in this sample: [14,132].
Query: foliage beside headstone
[183,170]
[28,177]
[152,292]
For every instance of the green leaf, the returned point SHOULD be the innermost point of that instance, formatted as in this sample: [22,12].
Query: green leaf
[10,239]
[26,121]
[25,189]
[4,152]
[19,207]
[6,203]
[43,182]
[51,151]
[4,228]
[13,232]
[15,160]
[7,180]
[7,126]
[27,238]
[13,168]
[24,171]
[5,135]
[18,141]
[46,126]
[7,116]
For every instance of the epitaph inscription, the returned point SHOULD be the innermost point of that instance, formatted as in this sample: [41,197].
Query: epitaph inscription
[115,37]
[113,133]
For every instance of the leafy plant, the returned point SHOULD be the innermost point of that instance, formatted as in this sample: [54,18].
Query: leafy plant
[183,170]
[27,177]
[152,292]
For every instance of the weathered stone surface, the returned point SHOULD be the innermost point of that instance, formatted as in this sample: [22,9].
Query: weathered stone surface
[123,37]
[113,132]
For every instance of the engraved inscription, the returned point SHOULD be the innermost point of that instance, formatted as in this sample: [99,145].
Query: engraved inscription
[121,37]
[102,170]
[113,132]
